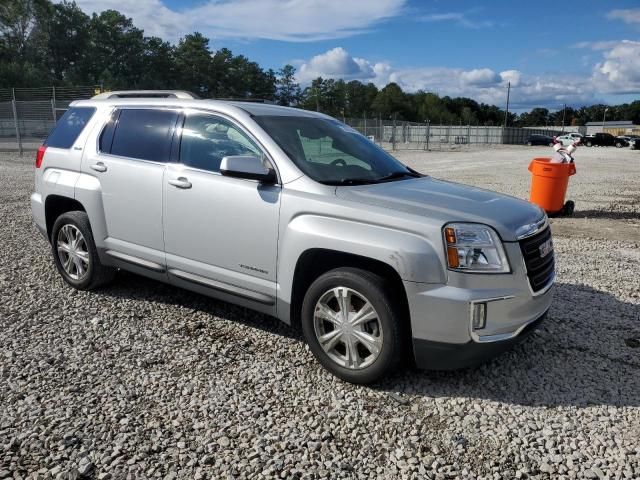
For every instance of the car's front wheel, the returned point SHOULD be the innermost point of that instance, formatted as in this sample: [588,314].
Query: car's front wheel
[352,325]
[75,254]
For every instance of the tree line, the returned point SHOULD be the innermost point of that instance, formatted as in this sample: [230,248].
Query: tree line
[44,43]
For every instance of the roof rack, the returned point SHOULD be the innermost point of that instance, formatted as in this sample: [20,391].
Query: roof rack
[146,94]
[240,99]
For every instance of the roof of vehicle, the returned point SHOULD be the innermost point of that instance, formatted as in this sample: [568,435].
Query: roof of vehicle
[265,109]
[252,108]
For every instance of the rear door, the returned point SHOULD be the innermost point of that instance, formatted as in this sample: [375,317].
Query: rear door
[133,150]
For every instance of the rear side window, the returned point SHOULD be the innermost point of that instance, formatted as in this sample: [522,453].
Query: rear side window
[143,134]
[69,127]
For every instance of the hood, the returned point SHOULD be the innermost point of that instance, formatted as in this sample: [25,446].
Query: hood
[447,202]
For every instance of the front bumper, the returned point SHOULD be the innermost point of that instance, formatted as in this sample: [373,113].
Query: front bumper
[452,356]
[441,324]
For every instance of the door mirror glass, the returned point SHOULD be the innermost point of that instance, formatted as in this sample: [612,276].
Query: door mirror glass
[247,166]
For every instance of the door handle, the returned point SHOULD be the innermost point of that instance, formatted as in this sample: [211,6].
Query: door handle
[180,182]
[99,167]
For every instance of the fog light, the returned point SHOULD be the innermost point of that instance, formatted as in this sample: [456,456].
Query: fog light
[478,315]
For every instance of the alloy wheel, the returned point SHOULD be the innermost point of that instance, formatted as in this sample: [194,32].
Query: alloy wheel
[348,328]
[72,251]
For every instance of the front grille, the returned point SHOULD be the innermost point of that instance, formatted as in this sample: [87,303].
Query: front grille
[540,269]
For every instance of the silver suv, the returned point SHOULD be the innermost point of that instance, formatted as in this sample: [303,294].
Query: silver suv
[296,215]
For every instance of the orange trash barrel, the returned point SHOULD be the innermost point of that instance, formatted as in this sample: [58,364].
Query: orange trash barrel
[549,183]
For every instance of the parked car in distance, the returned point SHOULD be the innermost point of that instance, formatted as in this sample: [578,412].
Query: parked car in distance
[623,141]
[539,140]
[296,215]
[569,139]
[599,140]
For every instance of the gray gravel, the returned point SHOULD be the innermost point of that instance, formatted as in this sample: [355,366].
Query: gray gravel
[140,380]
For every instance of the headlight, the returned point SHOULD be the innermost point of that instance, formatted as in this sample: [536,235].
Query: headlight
[472,247]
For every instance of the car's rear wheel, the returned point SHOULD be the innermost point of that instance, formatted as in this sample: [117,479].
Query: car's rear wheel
[589,144]
[352,326]
[75,253]
[618,145]
[551,144]
[529,143]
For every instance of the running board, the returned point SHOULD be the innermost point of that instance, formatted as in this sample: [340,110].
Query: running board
[139,262]
[223,287]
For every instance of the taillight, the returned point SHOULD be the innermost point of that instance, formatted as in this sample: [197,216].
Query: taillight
[40,155]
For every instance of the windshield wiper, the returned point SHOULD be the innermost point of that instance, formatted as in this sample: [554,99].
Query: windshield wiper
[395,175]
[367,181]
[350,181]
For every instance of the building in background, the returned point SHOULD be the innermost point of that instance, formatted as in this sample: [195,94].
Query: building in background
[615,127]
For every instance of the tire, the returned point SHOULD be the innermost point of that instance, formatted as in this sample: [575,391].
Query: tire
[84,270]
[551,144]
[589,144]
[385,327]
[568,208]
[618,145]
[530,144]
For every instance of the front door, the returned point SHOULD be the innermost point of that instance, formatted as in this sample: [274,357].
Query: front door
[220,233]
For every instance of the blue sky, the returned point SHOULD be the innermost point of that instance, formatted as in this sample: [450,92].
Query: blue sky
[552,52]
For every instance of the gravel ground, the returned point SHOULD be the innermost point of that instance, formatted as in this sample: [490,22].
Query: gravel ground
[140,380]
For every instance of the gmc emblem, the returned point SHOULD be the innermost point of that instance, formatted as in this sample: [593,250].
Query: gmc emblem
[545,248]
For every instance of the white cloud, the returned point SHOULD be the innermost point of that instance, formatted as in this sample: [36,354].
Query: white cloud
[628,15]
[336,63]
[287,20]
[512,76]
[601,45]
[482,84]
[460,18]
[620,70]
[481,77]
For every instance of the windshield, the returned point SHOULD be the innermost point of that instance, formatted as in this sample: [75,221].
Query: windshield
[331,152]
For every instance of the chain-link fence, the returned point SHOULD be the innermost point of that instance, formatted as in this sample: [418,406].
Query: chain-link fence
[400,135]
[28,114]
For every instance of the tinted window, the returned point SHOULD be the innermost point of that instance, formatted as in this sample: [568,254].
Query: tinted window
[106,137]
[206,139]
[144,134]
[69,127]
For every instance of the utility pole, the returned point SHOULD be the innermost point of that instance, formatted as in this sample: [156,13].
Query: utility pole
[506,113]
[604,117]
[564,109]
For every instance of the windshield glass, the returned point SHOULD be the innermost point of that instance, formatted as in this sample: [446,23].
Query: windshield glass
[331,152]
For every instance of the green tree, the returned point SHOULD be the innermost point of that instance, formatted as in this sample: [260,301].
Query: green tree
[159,65]
[64,31]
[390,101]
[194,64]
[535,118]
[115,53]
[288,90]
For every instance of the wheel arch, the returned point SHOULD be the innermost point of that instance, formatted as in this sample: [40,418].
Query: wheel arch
[56,205]
[316,261]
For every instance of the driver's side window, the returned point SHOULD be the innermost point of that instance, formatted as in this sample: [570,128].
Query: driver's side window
[207,139]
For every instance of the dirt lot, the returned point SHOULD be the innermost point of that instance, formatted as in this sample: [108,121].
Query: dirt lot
[140,380]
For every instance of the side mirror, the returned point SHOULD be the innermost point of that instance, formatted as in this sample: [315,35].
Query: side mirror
[247,166]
